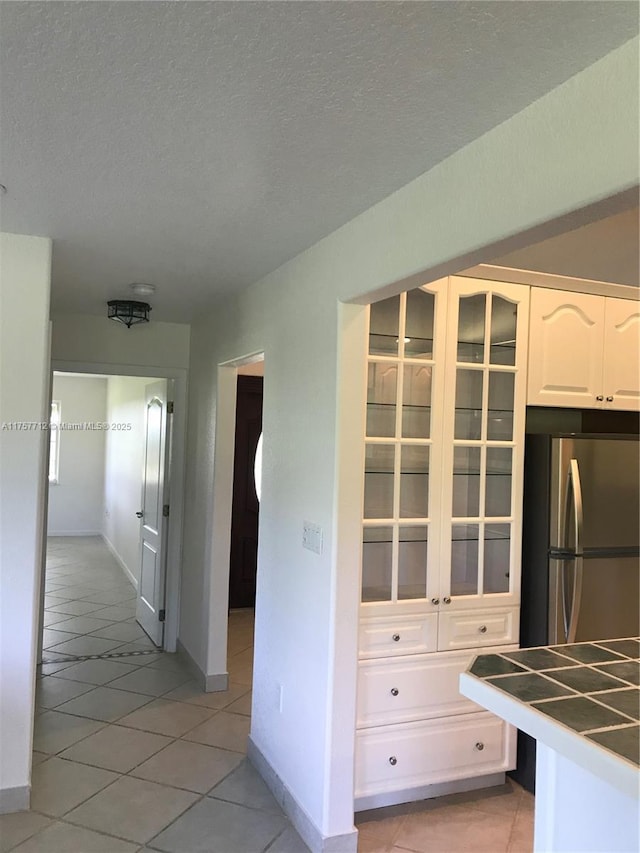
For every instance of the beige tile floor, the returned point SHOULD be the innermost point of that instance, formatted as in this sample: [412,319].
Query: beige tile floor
[130,754]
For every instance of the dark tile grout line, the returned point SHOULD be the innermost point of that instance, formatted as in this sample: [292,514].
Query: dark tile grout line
[172,740]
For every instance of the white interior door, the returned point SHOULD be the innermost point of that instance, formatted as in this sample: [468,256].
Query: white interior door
[153,514]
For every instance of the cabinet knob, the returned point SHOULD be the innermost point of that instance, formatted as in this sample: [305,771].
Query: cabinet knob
[435,601]
[479,746]
[609,399]
[396,638]
[599,398]
[483,629]
[393,760]
[394,691]
[447,599]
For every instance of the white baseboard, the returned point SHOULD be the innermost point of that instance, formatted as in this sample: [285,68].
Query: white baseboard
[427,792]
[15,799]
[305,827]
[51,533]
[209,683]
[130,576]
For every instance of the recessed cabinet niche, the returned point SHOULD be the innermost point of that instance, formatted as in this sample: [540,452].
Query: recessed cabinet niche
[446,395]
[584,351]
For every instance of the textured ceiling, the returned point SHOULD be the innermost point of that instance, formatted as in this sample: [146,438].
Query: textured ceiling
[198,146]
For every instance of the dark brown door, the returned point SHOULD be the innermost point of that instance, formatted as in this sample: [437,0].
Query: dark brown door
[244,511]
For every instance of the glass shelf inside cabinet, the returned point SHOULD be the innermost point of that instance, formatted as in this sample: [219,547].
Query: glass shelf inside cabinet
[418,340]
[376,563]
[384,327]
[504,316]
[412,562]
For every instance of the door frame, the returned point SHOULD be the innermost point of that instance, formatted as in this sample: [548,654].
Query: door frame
[176,474]
[217,580]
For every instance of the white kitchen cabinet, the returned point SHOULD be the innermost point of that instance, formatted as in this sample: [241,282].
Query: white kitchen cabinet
[583,351]
[446,398]
[621,362]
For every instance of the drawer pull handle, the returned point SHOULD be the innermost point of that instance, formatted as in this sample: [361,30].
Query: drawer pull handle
[393,760]
[396,638]
[479,746]
[609,399]
[394,691]
[483,629]
[447,599]
[599,398]
[435,601]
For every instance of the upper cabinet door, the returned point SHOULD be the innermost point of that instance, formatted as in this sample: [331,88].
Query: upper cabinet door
[403,434]
[565,349]
[485,399]
[621,385]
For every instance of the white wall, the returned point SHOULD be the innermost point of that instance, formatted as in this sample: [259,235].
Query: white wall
[124,463]
[84,338]
[25,264]
[572,149]
[76,502]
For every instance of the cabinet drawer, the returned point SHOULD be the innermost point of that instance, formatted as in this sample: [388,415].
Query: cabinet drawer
[395,758]
[412,688]
[474,629]
[400,635]
[419,687]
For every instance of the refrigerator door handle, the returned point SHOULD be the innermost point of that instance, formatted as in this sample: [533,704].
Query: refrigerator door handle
[572,507]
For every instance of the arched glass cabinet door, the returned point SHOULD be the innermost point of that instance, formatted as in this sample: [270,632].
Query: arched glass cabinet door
[485,411]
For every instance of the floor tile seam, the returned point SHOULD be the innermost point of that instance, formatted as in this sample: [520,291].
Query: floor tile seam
[82,802]
[273,840]
[121,772]
[118,689]
[199,799]
[136,667]
[88,828]
[193,704]
[33,834]
[210,796]
[79,825]
[105,722]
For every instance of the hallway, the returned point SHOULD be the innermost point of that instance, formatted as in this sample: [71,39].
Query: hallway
[129,753]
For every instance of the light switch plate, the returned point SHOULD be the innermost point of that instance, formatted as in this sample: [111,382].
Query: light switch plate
[312,537]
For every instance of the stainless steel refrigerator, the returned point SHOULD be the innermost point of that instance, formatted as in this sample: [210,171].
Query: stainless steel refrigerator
[582,508]
[581,551]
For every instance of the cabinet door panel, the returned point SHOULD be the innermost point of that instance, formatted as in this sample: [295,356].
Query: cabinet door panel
[622,354]
[565,348]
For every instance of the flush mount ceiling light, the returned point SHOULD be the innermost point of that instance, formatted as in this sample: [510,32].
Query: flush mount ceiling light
[141,289]
[128,311]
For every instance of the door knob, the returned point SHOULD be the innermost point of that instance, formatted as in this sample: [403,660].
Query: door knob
[435,601]
[139,514]
[396,638]
[447,599]
[394,691]
[599,398]
[609,399]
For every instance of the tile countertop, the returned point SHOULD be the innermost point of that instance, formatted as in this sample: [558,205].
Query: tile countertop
[582,700]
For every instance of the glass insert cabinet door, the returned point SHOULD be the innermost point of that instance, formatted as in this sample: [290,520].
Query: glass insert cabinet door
[484,432]
[404,410]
